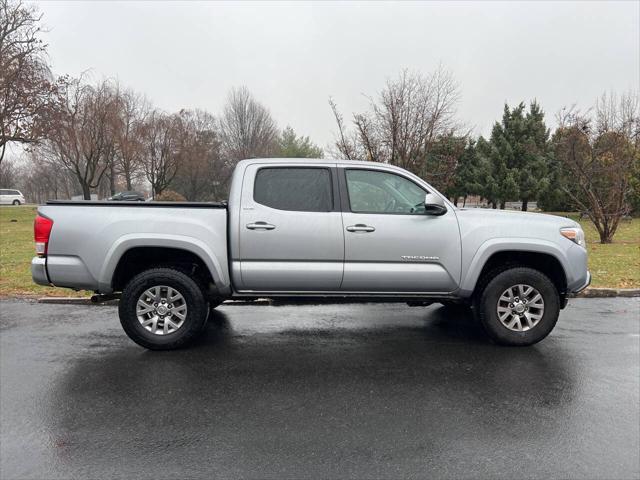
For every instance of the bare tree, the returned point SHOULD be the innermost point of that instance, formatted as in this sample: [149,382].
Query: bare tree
[81,134]
[25,81]
[41,180]
[405,122]
[133,110]
[160,157]
[597,151]
[345,146]
[8,173]
[203,173]
[246,127]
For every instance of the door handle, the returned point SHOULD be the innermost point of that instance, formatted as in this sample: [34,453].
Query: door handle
[260,226]
[360,228]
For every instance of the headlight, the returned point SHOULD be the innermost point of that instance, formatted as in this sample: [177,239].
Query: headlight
[575,234]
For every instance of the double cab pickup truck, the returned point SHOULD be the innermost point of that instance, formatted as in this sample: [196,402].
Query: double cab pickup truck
[312,228]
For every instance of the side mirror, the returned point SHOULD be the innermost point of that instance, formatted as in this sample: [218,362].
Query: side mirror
[434,205]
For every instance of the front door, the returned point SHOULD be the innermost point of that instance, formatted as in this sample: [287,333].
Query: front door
[391,245]
[291,236]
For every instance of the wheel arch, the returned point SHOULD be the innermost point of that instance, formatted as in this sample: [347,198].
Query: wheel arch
[129,256]
[539,255]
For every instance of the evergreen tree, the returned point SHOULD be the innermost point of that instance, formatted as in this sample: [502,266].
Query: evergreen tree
[441,163]
[518,154]
[500,182]
[468,175]
[290,145]
[554,198]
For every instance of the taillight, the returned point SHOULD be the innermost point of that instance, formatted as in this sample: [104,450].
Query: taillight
[41,231]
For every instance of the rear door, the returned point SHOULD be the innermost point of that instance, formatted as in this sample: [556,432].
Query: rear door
[391,245]
[291,236]
[4,196]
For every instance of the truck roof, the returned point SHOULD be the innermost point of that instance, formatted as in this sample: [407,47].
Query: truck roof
[311,161]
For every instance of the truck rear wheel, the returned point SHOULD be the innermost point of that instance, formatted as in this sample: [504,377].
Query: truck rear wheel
[518,306]
[162,309]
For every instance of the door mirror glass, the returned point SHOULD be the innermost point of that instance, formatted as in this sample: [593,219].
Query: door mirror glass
[434,205]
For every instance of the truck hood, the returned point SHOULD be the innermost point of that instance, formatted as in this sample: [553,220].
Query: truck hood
[486,214]
[506,223]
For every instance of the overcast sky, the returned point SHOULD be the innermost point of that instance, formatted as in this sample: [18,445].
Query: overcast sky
[293,56]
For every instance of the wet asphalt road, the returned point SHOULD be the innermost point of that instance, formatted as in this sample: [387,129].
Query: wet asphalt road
[361,391]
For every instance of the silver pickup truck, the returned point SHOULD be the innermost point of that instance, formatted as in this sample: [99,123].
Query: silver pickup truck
[312,228]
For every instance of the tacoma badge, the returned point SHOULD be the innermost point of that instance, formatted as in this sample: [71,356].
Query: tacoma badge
[418,257]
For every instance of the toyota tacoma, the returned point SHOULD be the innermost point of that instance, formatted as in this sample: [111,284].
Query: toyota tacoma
[302,228]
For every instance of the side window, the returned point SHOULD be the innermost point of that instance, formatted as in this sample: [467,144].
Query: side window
[4,192]
[381,192]
[297,189]
[14,192]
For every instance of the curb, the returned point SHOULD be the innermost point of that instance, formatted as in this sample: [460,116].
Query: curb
[609,293]
[73,301]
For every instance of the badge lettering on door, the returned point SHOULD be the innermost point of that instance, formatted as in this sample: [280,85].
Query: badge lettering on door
[414,258]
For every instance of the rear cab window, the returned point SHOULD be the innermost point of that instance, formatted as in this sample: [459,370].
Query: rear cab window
[298,189]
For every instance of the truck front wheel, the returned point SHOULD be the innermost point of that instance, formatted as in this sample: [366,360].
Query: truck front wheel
[162,309]
[518,306]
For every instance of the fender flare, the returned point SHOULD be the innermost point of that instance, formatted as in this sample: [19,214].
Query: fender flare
[181,242]
[496,245]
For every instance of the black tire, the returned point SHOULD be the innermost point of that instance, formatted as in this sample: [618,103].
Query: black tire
[16,202]
[194,322]
[486,303]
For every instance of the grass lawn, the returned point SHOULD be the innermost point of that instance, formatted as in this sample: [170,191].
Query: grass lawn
[616,265]
[16,251]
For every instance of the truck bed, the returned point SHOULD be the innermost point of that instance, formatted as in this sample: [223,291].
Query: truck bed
[88,238]
[106,203]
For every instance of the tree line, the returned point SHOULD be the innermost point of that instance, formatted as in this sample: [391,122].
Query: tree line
[590,163]
[85,137]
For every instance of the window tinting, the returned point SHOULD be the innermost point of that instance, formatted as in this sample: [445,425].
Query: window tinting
[296,189]
[381,192]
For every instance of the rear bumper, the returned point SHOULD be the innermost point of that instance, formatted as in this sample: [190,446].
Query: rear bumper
[39,271]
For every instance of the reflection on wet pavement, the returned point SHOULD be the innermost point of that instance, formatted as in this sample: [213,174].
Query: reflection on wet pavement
[319,391]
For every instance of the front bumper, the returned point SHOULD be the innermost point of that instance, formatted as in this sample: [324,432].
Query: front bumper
[574,291]
[39,271]
[584,285]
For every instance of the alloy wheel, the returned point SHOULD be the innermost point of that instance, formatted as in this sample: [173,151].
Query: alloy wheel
[520,308]
[161,310]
